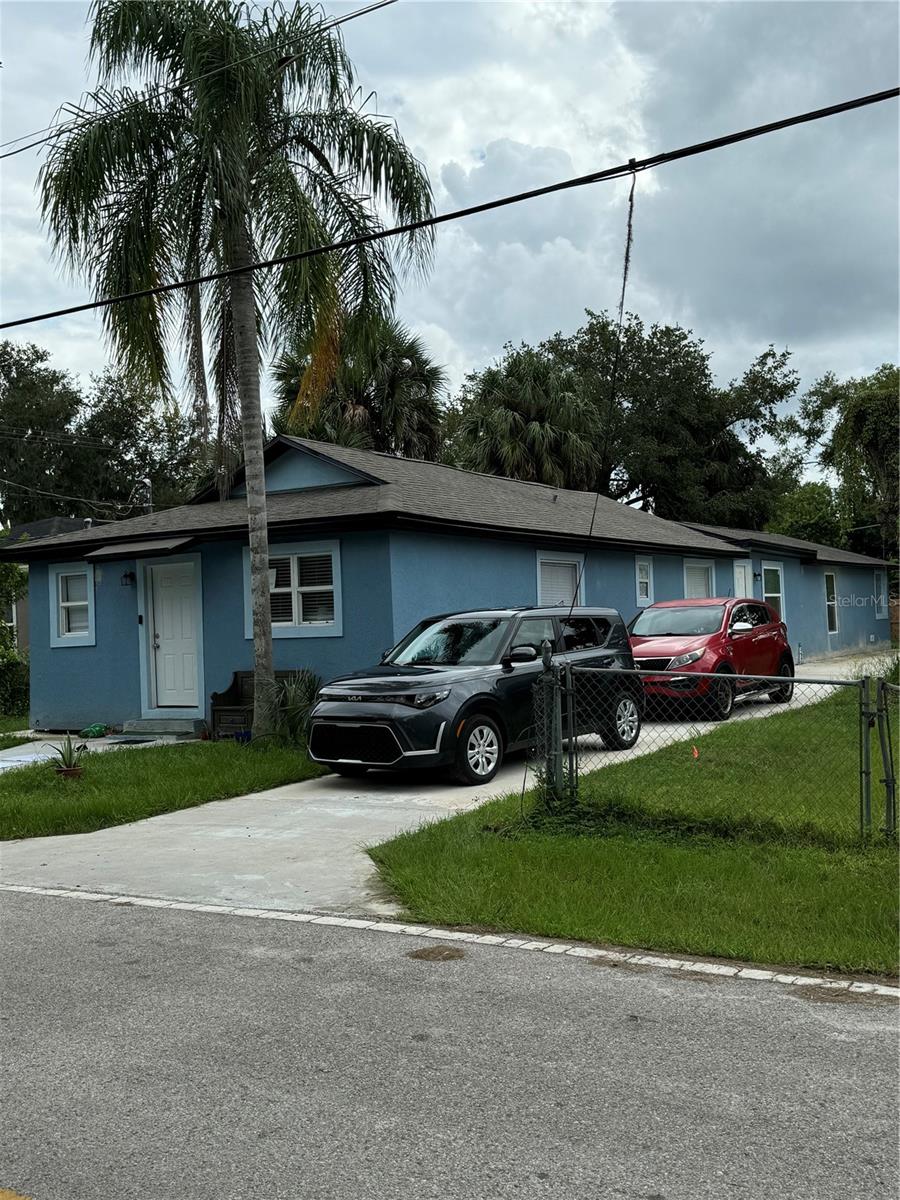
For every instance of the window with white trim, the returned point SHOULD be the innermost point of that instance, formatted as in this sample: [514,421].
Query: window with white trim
[881,595]
[699,579]
[643,581]
[71,604]
[304,590]
[301,589]
[773,586]
[10,620]
[560,579]
[831,606]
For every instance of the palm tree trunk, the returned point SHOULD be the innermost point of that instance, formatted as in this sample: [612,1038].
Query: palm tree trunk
[246,343]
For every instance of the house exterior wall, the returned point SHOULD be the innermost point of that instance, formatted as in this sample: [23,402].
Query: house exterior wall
[72,686]
[390,580]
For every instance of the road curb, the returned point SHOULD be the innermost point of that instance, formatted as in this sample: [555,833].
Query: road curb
[436,933]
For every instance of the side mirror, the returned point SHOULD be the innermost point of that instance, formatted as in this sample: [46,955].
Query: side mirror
[741,627]
[522,654]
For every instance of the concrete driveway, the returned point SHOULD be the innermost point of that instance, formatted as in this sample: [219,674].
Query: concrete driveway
[300,846]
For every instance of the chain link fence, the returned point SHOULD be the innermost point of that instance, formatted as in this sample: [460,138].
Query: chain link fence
[770,757]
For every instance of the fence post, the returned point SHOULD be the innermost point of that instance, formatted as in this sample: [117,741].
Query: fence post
[552,716]
[882,717]
[865,758]
[571,732]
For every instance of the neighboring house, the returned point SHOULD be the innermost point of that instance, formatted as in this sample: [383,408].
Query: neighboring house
[145,618]
[16,614]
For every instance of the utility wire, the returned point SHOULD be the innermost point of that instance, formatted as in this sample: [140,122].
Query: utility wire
[624,169]
[54,131]
[24,487]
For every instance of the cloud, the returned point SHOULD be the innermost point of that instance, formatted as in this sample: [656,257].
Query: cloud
[791,239]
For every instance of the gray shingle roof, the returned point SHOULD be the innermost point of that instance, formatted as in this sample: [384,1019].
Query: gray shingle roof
[412,490]
[806,549]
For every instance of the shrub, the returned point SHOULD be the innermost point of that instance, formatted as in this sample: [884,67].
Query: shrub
[13,683]
[292,702]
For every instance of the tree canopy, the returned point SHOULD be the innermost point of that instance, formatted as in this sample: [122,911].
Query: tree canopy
[385,393]
[646,425]
[74,451]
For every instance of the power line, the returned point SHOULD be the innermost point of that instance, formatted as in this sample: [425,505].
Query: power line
[54,131]
[624,169]
[24,487]
[64,439]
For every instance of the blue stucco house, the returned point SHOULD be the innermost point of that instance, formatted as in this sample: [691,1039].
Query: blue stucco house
[146,618]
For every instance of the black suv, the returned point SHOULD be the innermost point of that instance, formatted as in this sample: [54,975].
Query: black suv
[457,691]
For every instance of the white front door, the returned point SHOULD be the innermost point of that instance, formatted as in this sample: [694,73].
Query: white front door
[173,635]
[743,580]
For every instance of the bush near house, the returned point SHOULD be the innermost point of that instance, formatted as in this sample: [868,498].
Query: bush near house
[13,683]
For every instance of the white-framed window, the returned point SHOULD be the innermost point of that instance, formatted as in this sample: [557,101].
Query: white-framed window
[71,604]
[699,578]
[304,590]
[560,578]
[773,586]
[831,604]
[10,620]
[881,595]
[643,581]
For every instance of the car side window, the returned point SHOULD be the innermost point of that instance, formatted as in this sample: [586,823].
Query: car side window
[533,631]
[741,613]
[580,633]
[759,615]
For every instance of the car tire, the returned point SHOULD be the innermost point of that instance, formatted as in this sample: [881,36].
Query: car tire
[785,693]
[621,730]
[718,704]
[350,770]
[479,750]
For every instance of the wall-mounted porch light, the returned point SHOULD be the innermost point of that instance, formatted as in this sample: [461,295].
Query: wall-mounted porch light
[129,579]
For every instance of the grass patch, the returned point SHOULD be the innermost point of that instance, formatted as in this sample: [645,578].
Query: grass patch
[119,786]
[748,852]
[13,724]
[7,741]
[792,776]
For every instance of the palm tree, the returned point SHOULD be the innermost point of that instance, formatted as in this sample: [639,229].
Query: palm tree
[248,142]
[385,393]
[525,417]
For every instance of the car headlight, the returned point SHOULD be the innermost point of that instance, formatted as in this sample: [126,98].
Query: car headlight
[683,659]
[427,699]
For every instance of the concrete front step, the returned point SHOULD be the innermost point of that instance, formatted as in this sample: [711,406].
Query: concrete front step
[186,727]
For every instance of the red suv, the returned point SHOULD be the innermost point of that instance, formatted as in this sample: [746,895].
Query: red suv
[731,638]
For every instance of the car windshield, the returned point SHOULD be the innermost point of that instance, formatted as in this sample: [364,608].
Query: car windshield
[692,620]
[452,642]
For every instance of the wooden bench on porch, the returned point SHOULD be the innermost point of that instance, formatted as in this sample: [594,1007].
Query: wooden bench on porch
[231,711]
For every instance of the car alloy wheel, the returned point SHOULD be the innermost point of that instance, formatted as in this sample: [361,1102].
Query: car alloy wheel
[482,750]
[622,724]
[628,720]
[781,695]
[721,700]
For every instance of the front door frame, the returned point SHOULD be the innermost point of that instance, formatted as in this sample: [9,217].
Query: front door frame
[149,707]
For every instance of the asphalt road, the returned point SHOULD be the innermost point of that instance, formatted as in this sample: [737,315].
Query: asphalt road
[150,1054]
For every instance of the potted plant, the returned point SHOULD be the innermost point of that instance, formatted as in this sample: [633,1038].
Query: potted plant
[67,758]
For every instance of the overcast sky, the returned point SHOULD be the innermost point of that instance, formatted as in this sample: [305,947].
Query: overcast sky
[790,239]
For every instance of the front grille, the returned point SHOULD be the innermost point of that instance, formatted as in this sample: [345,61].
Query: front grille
[652,664]
[334,741]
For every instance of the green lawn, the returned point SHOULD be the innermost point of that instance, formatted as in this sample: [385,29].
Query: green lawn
[13,724]
[793,775]
[701,856]
[127,785]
